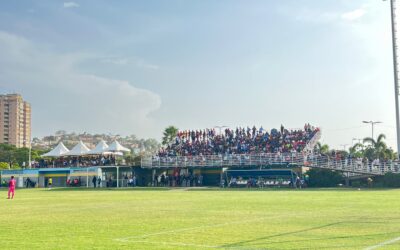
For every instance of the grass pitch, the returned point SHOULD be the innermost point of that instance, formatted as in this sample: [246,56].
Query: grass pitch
[200,219]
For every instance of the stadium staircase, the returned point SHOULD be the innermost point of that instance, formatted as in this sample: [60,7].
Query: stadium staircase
[309,148]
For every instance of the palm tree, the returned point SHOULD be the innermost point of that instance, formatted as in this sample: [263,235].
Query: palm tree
[376,149]
[169,135]
[322,148]
[357,150]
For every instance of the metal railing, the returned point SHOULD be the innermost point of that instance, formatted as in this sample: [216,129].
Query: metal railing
[223,160]
[350,165]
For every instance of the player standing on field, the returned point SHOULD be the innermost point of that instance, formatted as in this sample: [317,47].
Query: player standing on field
[11,187]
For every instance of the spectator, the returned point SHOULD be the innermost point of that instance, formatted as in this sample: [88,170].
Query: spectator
[94,181]
[239,141]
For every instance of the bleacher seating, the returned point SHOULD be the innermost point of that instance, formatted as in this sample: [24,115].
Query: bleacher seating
[239,141]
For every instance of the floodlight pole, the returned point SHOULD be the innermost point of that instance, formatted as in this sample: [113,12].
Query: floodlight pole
[355,139]
[30,155]
[372,126]
[344,146]
[395,70]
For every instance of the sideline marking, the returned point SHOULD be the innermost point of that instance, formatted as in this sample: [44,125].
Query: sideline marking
[383,244]
[125,239]
[173,243]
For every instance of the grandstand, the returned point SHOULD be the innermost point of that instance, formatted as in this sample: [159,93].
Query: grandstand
[257,149]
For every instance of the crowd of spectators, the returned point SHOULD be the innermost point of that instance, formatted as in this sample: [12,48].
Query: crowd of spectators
[177,180]
[85,161]
[239,141]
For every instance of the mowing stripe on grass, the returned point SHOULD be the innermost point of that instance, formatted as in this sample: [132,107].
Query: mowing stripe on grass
[383,244]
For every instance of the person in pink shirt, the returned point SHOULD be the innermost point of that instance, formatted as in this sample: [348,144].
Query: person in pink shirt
[11,187]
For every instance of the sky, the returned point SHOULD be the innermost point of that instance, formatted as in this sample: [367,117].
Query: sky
[135,67]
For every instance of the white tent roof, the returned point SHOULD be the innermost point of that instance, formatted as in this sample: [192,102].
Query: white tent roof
[58,151]
[100,148]
[116,147]
[79,149]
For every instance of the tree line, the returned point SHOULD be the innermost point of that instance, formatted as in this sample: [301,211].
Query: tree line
[370,149]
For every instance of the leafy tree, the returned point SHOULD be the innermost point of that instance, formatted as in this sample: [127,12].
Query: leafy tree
[15,157]
[169,135]
[151,145]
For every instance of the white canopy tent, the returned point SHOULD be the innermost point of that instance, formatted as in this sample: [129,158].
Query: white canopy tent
[58,151]
[78,150]
[101,148]
[117,147]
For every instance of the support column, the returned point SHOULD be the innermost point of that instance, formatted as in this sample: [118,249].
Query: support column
[117,177]
[153,175]
[347,179]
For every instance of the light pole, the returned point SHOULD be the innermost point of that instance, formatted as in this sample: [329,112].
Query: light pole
[395,70]
[344,146]
[372,126]
[30,153]
[355,139]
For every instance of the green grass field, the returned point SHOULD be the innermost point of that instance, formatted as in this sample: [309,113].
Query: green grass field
[200,219]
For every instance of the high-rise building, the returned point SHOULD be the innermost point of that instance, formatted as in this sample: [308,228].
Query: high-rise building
[15,121]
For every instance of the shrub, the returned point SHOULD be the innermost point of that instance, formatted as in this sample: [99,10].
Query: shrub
[324,178]
[4,165]
[388,180]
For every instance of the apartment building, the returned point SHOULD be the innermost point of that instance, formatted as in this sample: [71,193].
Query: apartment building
[15,120]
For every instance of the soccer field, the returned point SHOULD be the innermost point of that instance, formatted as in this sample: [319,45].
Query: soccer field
[200,219]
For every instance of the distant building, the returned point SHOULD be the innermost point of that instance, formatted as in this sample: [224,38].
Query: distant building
[15,121]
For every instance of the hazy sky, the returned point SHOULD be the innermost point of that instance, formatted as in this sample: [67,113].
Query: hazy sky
[135,67]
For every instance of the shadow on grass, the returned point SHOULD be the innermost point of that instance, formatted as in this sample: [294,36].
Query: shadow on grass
[243,243]
[368,236]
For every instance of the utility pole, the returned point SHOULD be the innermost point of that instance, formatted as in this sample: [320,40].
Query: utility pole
[395,70]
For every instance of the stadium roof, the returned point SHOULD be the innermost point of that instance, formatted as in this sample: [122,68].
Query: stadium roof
[78,150]
[58,151]
[116,147]
[101,148]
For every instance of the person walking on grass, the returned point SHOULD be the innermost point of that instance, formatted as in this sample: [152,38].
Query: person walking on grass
[11,187]
[50,183]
